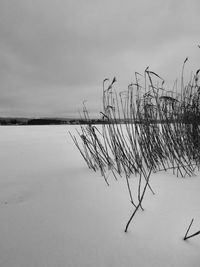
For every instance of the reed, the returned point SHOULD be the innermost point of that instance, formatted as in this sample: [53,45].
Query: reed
[146,129]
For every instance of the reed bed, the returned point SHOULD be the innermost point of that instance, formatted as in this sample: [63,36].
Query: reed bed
[145,129]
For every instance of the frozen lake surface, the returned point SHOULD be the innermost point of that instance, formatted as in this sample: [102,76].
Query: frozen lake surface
[55,212]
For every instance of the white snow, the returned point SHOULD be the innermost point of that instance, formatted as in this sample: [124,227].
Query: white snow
[55,212]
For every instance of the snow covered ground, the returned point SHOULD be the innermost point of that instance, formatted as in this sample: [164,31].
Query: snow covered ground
[55,212]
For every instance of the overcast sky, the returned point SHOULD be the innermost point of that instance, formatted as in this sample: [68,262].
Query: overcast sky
[55,53]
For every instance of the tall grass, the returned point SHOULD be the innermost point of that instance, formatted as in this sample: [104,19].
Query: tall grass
[146,129]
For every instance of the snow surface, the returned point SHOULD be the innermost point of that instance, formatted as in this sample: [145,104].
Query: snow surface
[55,212]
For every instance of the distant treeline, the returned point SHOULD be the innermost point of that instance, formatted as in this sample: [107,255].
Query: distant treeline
[57,121]
[49,121]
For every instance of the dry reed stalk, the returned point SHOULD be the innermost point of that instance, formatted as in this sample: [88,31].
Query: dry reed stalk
[145,129]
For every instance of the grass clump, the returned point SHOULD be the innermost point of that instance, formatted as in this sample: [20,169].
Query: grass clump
[145,129]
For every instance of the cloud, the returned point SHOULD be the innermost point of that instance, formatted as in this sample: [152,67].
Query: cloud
[51,51]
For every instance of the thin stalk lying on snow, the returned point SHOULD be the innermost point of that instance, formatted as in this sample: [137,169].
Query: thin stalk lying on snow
[189,236]
[140,202]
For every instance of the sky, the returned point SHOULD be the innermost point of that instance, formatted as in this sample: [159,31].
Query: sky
[54,54]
